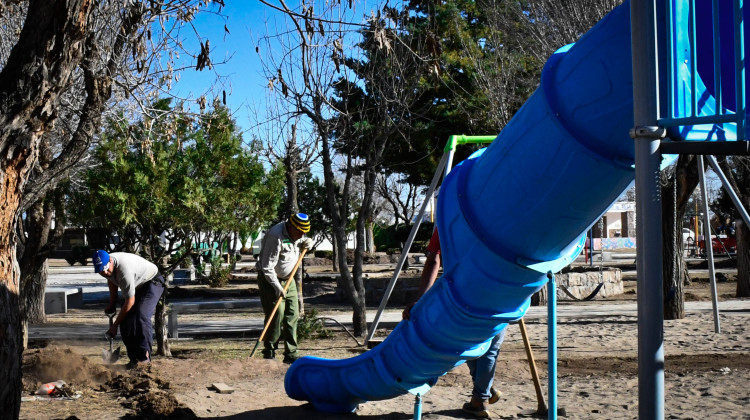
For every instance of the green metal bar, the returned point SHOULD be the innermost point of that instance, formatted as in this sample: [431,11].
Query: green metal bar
[458,139]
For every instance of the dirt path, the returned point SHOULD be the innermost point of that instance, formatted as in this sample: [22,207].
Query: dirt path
[706,375]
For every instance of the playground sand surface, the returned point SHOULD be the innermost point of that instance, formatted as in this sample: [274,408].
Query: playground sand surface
[707,375]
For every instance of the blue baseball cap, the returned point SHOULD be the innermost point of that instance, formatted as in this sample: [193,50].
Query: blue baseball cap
[100,259]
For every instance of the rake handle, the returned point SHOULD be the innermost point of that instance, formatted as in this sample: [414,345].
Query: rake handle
[278,302]
[541,405]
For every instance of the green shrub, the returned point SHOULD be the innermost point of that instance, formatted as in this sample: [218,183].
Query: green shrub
[310,326]
[323,254]
[219,275]
[392,237]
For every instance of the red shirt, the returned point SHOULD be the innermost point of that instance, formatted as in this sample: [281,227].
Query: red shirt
[434,246]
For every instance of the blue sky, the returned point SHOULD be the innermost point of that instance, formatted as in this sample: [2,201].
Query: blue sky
[242,78]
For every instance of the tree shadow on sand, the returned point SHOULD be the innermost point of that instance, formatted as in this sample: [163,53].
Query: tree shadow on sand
[307,412]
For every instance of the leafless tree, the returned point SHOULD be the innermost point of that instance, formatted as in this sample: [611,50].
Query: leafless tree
[316,74]
[94,48]
[556,23]
[295,146]
[401,197]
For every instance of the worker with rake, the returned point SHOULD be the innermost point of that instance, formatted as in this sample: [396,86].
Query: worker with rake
[279,253]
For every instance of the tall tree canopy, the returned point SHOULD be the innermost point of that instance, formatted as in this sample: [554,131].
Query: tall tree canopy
[174,177]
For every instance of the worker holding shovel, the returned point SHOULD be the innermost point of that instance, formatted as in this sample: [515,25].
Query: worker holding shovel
[142,286]
[482,369]
[280,251]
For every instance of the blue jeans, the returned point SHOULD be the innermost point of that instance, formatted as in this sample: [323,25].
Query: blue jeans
[482,369]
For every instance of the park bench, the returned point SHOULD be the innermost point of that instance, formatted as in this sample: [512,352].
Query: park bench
[57,300]
[177,308]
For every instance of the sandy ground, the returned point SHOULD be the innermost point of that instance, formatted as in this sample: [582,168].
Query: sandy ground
[707,375]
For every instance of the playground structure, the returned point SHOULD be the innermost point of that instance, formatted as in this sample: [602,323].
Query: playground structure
[563,159]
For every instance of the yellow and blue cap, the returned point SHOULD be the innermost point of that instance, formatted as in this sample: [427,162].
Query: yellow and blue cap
[301,222]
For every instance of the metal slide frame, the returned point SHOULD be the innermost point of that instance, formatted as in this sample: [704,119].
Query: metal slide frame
[444,167]
[648,132]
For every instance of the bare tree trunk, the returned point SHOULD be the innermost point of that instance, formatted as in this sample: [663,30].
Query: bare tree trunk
[370,238]
[291,205]
[33,296]
[39,67]
[39,242]
[742,230]
[335,261]
[33,262]
[160,326]
[676,194]
[672,261]
[10,341]
[743,259]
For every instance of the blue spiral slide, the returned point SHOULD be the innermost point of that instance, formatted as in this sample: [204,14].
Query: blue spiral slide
[506,216]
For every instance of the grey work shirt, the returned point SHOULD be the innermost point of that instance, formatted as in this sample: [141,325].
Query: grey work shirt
[130,271]
[278,254]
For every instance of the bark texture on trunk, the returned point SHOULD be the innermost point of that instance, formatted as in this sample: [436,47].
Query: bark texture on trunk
[160,327]
[743,259]
[33,261]
[335,259]
[38,68]
[672,261]
[676,194]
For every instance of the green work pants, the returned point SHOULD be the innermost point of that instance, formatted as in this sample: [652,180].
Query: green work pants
[284,324]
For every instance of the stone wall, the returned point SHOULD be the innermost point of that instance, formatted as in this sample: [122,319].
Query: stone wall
[404,291]
[579,284]
[582,284]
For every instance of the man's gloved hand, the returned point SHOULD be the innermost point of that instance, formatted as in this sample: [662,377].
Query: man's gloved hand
[306,243]
[279,289]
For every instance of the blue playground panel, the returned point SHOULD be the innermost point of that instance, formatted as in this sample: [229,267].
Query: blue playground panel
[507,215]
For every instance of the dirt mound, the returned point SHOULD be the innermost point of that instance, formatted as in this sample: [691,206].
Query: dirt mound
[54,363]
[149,396]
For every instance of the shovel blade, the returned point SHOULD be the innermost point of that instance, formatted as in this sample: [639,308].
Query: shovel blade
[111,356]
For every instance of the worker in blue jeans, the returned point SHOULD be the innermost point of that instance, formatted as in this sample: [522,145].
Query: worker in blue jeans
[482,369]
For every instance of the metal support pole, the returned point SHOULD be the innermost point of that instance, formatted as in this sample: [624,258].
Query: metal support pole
[648,211]
[417,407]
[407,246]
[709,244]
[551,346]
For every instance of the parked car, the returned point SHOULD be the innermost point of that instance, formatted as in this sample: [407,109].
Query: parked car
[721,245]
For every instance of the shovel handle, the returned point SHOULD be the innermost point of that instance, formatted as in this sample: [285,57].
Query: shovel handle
[111,322]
